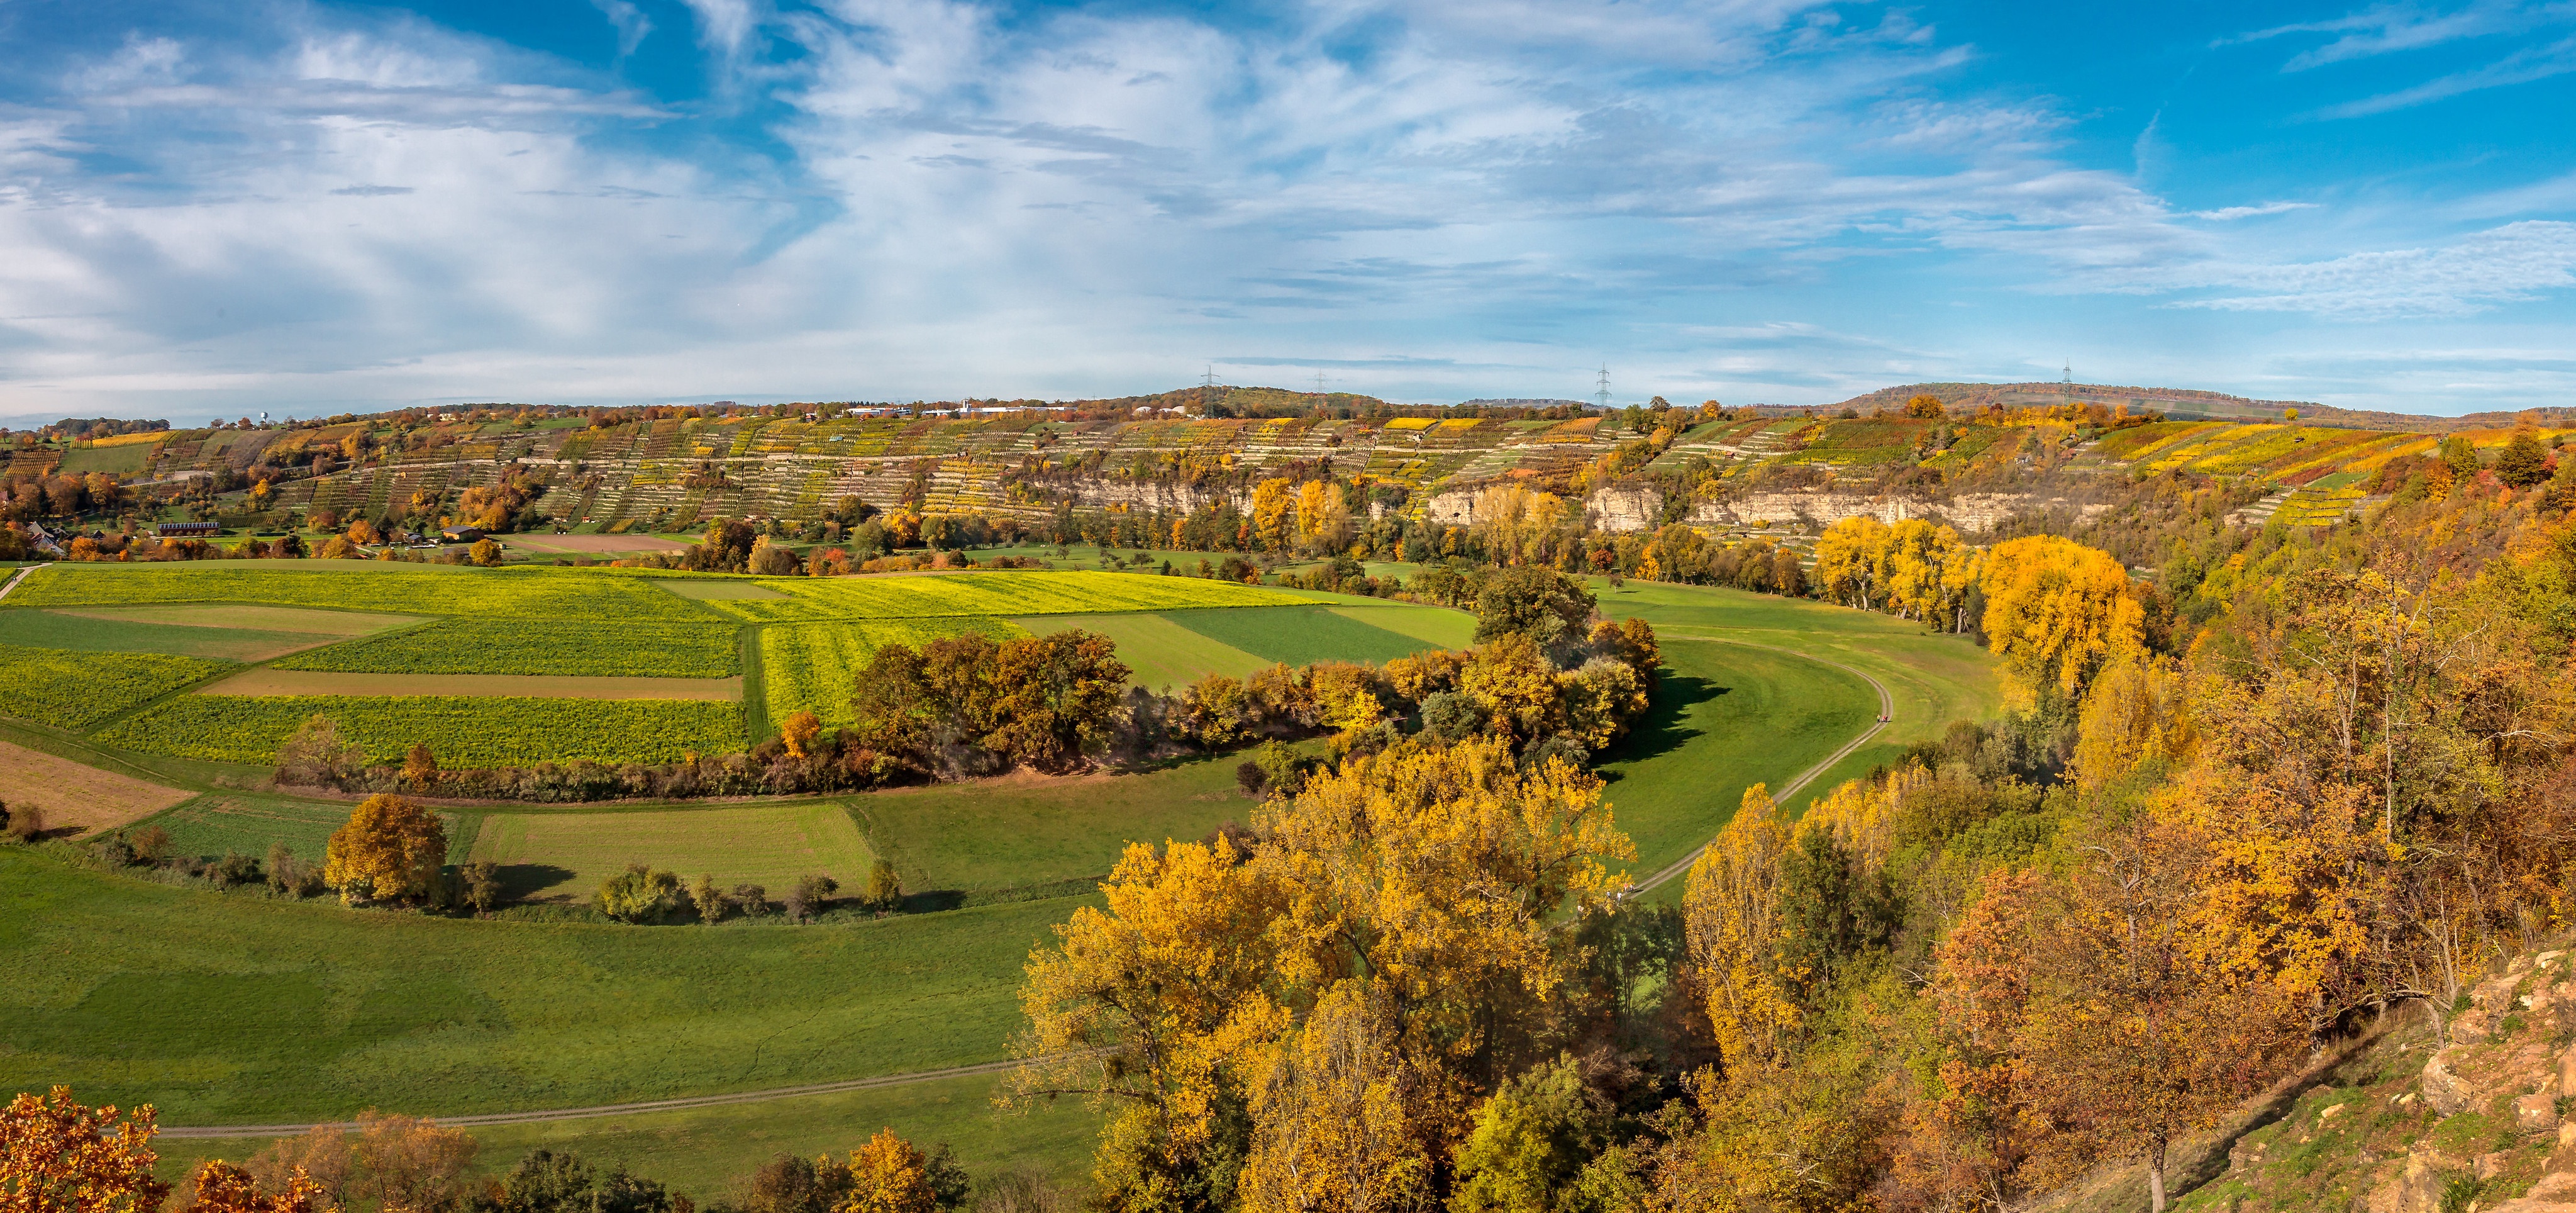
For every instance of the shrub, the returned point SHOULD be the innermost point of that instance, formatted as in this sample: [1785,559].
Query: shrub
[482,885]
[114,851]
[709,900]
[1251,777]
[752,899]
[885,887]
[807,898]
[235,868]
[1282,771]
[638,894]
[26,823]
[151,844]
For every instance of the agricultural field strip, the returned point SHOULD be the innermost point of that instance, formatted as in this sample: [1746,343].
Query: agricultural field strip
[619,1109]
[517,647]
[1780,795]
[501,593]
[73,793]
[474,732]
[70,690]
[280,680]
[809,665]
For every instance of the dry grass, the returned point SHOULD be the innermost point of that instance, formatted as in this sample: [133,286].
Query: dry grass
[325,682]
[70,794]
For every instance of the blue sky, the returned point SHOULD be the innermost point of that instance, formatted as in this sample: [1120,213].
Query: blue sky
[208,208]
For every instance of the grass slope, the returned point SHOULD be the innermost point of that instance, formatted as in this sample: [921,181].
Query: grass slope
[1008,833]
[246,1010]
[69,690]
[1934,679]
[211,825]
[701,1152]
[600,648]
[1161,655]
[553,855]
[1726,717]
[462,732]
[1301,635]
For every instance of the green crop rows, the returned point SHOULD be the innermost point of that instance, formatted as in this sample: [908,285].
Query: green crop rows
[461,732]
[808,667]
[68,690]
[603,648]
[524,592]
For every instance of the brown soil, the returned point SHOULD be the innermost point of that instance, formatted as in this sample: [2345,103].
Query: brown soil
[72,795]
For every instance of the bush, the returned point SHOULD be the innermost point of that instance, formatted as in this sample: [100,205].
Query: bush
[751,899]
[808,897]
[26,823]
[115,851]
[885,887]
[1252,778]
[1282,771]
[638,894]
[235,868]
[482,885]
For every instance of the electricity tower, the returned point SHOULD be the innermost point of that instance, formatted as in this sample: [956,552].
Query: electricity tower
[1319,383]
[1602,397]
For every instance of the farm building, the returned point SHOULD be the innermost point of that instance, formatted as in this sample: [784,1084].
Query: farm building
[462,534]
[181,530]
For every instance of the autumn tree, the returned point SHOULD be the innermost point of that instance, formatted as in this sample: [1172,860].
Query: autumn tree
[1542,605]
[391,849]
[407,1162]
[420,767]
[2057,611]
[1334,1121]
[887,1175]
[57,1156]
[798,732]
[220,1187]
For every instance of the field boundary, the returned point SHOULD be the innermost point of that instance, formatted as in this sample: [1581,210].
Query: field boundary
[21,575]
[616,1109]
[1886,711]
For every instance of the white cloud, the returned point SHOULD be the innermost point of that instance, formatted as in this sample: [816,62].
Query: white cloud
[2518,261]
[2227,213]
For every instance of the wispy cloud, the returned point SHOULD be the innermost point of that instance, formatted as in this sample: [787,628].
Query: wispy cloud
[2518,261]
[2226,213]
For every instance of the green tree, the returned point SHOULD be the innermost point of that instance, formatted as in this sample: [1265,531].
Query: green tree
[2460,456]
[1529,1142]
[2525,461]
[639,894]
[1542,604]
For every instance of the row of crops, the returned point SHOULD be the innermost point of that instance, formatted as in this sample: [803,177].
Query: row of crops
[561,647]
[71,690]
[461,731]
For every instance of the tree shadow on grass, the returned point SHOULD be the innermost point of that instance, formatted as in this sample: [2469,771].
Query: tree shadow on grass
[1662,730]
[535,882]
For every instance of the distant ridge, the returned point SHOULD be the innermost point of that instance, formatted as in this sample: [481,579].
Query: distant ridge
[1519,402]
[2188,404]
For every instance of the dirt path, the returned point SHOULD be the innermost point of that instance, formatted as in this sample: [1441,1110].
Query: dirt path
[1781,794]
[614,1109]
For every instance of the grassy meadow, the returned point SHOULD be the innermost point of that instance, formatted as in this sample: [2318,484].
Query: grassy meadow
[236,1008]
[565,855]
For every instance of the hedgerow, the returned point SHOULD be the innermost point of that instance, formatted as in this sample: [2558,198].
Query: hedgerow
[465,732]
[68,690]
[604,648]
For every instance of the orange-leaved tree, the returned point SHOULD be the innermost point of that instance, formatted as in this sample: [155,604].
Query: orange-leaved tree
[391,848]
[887,1175]
[59,1157]
[220,1187]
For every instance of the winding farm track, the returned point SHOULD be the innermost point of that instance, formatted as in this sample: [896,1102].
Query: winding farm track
[21,575]
[1886,709]
[1781,794]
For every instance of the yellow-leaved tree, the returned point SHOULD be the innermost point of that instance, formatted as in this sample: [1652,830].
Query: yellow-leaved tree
[2058,611]
[1731,909]
[59,1157]
[1332,1108]
[391,848]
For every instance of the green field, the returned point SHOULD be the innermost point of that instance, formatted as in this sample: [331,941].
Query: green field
[1161,655]
[69,689]
[702,1152]
[810,667]
[1014,833]
[1002,594]
[364,585]
[557,855]
[462,732]
[241,1009]
[1305,635]
[599,648]
[60,630]
[211,825]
